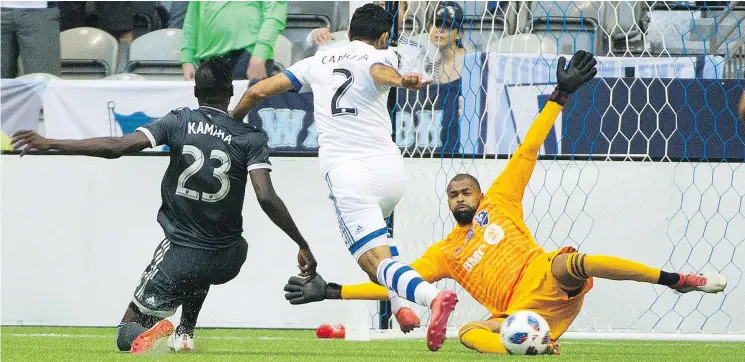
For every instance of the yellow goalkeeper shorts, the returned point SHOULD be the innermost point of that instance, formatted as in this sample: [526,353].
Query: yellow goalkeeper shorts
[540,292]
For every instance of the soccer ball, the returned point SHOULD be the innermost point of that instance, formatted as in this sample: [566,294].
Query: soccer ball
[525,332]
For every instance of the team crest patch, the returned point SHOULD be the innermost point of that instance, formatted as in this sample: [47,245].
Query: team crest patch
[482,218]
[493,234]
[458,250]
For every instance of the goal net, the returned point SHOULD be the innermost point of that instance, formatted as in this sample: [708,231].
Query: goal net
[644,163]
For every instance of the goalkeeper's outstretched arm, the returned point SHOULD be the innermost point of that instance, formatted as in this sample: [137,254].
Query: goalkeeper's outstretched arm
[514,179]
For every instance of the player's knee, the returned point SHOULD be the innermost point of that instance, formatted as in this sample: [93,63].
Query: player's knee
[565,269]
[126,334]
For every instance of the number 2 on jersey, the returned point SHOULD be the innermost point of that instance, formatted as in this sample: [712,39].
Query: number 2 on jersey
[219,172]
[335,109]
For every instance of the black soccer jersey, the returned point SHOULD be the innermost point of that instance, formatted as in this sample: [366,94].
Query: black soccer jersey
[205,183]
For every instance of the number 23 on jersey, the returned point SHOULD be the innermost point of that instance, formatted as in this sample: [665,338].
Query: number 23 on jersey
[219,172]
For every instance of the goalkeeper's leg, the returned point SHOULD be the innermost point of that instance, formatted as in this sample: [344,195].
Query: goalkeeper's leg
[572,269]
[483,336]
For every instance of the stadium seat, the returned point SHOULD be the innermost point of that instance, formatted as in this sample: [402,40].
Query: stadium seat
[572,25]
[478,32]
[282,53]
[157,55]
[87,53]
[523,44]
[125,76]
[304,17]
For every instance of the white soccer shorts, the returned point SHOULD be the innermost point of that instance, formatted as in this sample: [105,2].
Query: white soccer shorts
[364,193]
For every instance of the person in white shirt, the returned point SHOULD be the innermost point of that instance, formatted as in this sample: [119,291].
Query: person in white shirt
[362,165]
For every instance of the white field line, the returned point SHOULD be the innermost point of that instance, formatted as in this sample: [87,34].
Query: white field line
[260,338]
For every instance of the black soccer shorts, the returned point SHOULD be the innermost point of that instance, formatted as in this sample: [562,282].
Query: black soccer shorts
[177,272]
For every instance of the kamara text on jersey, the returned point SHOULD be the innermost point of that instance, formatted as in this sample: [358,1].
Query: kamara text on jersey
[209,129]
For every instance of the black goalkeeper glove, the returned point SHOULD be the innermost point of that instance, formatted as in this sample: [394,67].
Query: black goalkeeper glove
[301,292]
[581,69]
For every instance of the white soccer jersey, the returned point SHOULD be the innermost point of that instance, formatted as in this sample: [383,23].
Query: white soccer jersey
[350,110]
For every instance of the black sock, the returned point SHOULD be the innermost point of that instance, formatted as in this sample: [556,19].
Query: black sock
[190,312]
[668,278]
[126,334]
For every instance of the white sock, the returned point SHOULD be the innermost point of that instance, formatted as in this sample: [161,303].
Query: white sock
[406,282]
[396,301]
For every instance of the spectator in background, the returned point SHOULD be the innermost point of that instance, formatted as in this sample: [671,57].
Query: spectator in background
[30,31]
[113,17]
[445,34]
[244,32]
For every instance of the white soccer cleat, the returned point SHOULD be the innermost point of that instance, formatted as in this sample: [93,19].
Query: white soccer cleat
[707,282]
[181,343]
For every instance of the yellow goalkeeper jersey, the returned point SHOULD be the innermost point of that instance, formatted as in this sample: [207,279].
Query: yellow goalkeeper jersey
[488,257]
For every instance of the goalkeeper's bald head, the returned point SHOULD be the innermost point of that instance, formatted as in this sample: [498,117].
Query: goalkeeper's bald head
[464,197]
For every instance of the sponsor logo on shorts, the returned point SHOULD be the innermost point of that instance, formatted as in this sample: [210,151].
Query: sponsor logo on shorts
[482,218]
[359,230]
[493,234]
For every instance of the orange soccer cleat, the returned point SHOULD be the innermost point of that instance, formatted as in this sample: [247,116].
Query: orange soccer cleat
[146,341]
[440,310]
[407,319]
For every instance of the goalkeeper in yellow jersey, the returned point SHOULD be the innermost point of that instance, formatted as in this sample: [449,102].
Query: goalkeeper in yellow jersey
[493,256]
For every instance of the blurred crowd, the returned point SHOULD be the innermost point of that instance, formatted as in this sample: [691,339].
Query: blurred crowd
[244,32]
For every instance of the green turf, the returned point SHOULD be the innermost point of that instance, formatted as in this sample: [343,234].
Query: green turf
[97,344]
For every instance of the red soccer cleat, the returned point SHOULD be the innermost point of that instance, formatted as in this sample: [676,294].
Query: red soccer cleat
[407,319]
[146,341]
[440,310]
[336,331]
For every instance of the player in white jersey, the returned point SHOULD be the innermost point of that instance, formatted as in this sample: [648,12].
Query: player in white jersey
[362,165]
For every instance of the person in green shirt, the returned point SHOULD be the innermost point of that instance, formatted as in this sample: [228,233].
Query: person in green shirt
[244,32]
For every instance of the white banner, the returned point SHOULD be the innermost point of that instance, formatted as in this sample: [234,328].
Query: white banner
[79,109]
[20,104]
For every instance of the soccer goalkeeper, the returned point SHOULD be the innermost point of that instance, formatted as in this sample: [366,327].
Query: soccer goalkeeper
[493,256]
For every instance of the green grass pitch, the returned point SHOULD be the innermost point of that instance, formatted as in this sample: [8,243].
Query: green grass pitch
[97,344]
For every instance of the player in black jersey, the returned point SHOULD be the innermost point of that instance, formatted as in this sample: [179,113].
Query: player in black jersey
[212,156]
